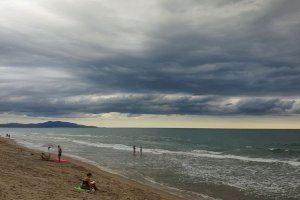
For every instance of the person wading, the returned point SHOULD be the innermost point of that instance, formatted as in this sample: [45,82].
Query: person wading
[134,148]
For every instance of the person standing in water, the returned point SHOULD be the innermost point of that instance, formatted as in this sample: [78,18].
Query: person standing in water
[134,149]
[59,152]
[141,150]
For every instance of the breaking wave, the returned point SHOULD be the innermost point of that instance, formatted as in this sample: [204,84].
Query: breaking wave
[194,153]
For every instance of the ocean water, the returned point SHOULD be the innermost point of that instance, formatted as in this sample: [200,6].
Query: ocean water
[224,164]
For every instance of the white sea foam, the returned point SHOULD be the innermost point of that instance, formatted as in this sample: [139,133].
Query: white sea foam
[29,144]
[194,153]
[74,135]
[56,138]
[103,145]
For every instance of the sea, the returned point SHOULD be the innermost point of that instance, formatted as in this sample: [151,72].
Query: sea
[218,163]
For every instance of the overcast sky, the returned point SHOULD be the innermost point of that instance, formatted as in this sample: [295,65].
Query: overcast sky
[192,58]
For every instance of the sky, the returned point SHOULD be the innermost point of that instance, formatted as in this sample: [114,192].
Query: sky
[158,63]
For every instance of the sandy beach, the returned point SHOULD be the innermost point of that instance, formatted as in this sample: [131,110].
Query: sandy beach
[25,176]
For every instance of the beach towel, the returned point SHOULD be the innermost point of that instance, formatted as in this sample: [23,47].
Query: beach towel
[78,188]
[55,159]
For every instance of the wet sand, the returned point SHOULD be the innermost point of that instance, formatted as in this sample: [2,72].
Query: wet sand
[25,176]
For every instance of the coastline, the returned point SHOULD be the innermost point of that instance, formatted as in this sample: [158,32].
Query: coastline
[26,176]
[33,140]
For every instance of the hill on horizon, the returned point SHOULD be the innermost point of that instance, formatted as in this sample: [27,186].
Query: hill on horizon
[48,124]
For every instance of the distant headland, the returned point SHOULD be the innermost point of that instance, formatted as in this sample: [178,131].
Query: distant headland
[48,124]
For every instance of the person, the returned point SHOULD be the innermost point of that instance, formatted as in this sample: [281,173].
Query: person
[141,150]
[88,183]
[45,156]
[59,152]
[134,149]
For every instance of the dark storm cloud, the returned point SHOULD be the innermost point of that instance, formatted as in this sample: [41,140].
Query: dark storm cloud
[206,52]
[264,106]
[137,104]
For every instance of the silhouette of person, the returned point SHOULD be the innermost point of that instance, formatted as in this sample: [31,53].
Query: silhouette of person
[134,148]
[59,152]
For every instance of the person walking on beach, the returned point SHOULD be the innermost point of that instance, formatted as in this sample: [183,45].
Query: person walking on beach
[141,150]
[59,152]
[134,149]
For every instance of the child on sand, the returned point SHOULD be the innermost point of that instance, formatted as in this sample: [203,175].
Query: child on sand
[45,156]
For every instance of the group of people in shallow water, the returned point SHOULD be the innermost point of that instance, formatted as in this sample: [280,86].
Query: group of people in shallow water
[8,135]
[134,150]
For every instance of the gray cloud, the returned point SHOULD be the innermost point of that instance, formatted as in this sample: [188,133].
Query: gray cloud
[264,106]
[137,104]
[219,50]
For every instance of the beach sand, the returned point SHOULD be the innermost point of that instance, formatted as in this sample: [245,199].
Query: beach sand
[25,176]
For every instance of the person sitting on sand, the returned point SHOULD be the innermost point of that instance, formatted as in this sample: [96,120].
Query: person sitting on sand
[88,183]
[45,156]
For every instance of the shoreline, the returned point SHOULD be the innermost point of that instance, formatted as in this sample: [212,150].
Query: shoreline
[24,174]
[182,194]
[144,181]
[84,160]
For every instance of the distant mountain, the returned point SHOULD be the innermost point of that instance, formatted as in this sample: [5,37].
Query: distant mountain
[49,124]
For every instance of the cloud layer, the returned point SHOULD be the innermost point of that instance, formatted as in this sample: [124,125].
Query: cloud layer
[150,57]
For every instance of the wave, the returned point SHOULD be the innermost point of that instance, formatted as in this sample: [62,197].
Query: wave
[277,150]
[293,144]
[193,153]
[56,138]
[283,150]
[103,145]
[75,135]
[29,144]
